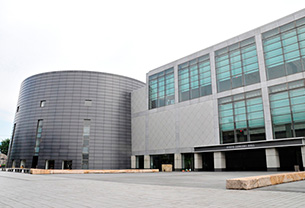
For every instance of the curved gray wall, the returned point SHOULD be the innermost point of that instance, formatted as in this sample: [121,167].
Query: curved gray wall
[63,117]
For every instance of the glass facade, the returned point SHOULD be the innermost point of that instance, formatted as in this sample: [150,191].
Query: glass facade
[38,136]
[236,65]
[287,103]
[162,89]
[241,118]
[85,150]
[195,78]
[284,49]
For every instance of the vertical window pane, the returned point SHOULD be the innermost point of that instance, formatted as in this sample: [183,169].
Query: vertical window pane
[241,118]
[288,109]
[161,88]
[232,68]
[199,82]
[282,54]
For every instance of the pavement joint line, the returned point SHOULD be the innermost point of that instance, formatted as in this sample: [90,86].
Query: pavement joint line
[200,190]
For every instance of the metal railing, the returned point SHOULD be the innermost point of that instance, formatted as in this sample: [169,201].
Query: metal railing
[17,170]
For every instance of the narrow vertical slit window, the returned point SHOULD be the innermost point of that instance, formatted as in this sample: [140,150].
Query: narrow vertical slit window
[38,137]
[85,149]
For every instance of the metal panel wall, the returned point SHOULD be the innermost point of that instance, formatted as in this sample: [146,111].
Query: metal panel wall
[63,117]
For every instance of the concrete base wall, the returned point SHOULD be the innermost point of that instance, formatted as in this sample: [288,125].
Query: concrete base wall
[133,162]
[198,161]
[146,161]
[303,155]
[272,159]
[178,162]
[219,161]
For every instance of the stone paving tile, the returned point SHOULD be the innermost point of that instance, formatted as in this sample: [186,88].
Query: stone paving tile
[138,190]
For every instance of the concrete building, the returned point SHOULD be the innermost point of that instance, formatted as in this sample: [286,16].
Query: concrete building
[237,105]
[73,119]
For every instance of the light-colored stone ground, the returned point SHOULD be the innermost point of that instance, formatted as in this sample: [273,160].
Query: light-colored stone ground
[195,189]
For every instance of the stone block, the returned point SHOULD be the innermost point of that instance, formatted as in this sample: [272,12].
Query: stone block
[167,167]
[56,171]
[265,180]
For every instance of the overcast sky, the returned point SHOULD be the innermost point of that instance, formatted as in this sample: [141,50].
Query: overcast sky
[124,37]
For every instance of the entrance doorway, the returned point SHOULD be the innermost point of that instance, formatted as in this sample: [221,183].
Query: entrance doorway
[22,163]
[188,161]
[35,162]
[67,164]
[246,160]
[140,162]
[208,161]
[290,157]
[158,160]
[50,164]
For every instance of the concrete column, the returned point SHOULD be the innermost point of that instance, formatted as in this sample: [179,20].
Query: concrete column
[178,162]
[176,84]
[133,161]
[303,155]
[198,161]
[264,87]
[219,161]
[215,98]
[146,161]
[272,159]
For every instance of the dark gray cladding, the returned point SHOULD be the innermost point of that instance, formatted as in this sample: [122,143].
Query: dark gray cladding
[65,93]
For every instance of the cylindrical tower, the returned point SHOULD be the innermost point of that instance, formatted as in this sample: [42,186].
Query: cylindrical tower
[73,119]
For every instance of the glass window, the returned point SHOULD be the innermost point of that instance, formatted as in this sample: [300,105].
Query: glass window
[86,139]
[242,119]
[281,51]
[38,137]
[195,78]
[86,130]
[88,102]
[233,68]
[42,103]
[162,86]
[288,109]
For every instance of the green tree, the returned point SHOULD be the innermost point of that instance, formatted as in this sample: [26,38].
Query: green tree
[4,146]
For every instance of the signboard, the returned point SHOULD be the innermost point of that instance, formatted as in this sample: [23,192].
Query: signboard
[252,145]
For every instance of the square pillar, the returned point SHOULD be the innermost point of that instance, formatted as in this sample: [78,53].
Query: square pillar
[133,161]
[272,159]
[178,162]
[219,161]
[146,161]
[198,161]
[303,155]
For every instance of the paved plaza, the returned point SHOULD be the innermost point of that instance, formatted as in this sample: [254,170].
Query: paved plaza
[176,189]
